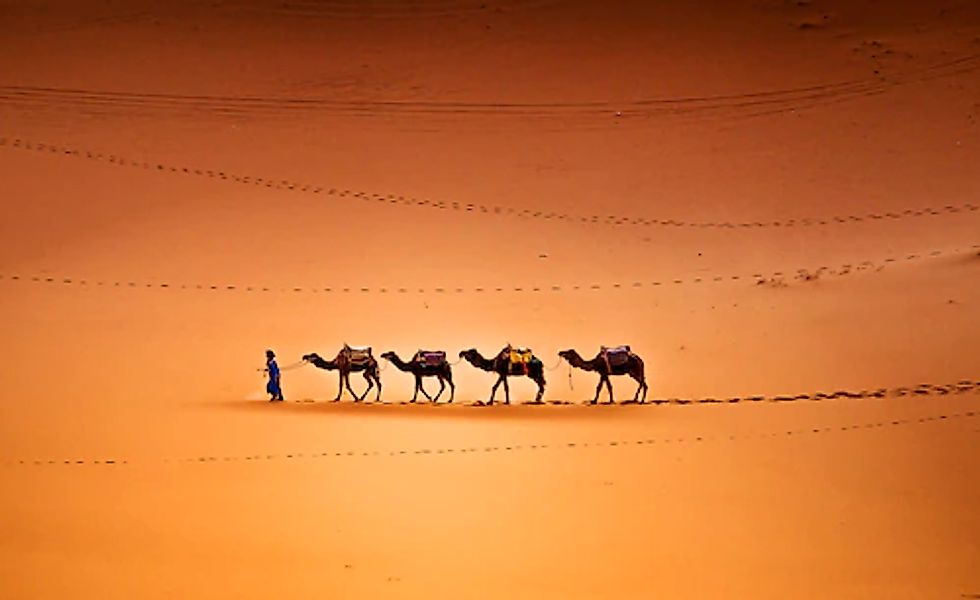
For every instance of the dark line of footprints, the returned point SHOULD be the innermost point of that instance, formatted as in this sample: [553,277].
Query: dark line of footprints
[512,447]
[291,186]
[774,279]
[924,389]
[964,386]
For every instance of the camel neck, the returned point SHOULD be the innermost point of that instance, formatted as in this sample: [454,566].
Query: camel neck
[399,363]
[576,360]
[482,363]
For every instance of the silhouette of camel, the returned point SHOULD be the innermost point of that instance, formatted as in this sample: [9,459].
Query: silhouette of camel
[633,366]
[420,367]
[504,367]
[350,360]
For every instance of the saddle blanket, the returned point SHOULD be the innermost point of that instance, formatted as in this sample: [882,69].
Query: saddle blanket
[616,355]
[520,356]
[518,359]
[358,354]
[431,358]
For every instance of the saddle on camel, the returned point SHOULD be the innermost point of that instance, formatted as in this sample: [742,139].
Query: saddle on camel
[430,358]
[615,356]
[519,359]
[357,355]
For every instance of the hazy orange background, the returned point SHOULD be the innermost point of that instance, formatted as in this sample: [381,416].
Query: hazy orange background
[152,375]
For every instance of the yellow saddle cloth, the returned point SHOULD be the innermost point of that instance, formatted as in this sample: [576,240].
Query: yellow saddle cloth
[520,356]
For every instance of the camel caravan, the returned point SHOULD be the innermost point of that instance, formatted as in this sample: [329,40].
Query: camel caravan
[509,362]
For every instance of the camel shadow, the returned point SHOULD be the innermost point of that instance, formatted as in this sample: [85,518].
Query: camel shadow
[543,411]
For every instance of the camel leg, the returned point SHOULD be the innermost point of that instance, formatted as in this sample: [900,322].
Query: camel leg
[452,387]
[506,391]
[416,394]
[347,382]
[370,384]
[370,378]
[640,384]
[340,391]
[640,376]
[442,388]
[420,383]
[377,379]
[349,388]
[598,389]
[609,387]
[493,390]
[540,383]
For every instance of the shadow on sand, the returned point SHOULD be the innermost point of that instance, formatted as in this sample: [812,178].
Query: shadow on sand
[424,410]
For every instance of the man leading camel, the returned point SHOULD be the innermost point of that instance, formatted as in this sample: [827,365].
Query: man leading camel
[274,386]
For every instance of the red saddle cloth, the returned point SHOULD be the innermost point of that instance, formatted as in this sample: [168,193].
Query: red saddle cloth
[430,358]
[617,355]
[518,358]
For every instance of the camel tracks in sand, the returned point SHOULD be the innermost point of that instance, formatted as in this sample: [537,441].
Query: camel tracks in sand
[777,279]
[963,386]
[391,199]
[554,115]
[510,448]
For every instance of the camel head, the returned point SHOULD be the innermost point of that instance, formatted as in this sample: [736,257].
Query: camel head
[567,354]
[388,355]
[469,354]
[315,359]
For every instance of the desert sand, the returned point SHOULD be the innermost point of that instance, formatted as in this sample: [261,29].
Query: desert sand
[764,199]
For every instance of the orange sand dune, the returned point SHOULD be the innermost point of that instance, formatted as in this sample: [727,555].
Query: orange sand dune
[763,199]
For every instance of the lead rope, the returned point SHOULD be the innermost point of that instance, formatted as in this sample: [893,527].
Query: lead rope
[289,367]
[557,364]
[296,365]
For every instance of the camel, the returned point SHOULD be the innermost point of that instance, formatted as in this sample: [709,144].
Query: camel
[350,360]
[426,364]
[504,366]
[632,366]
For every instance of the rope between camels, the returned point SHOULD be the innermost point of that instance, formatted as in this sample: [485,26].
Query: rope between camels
[557,364]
